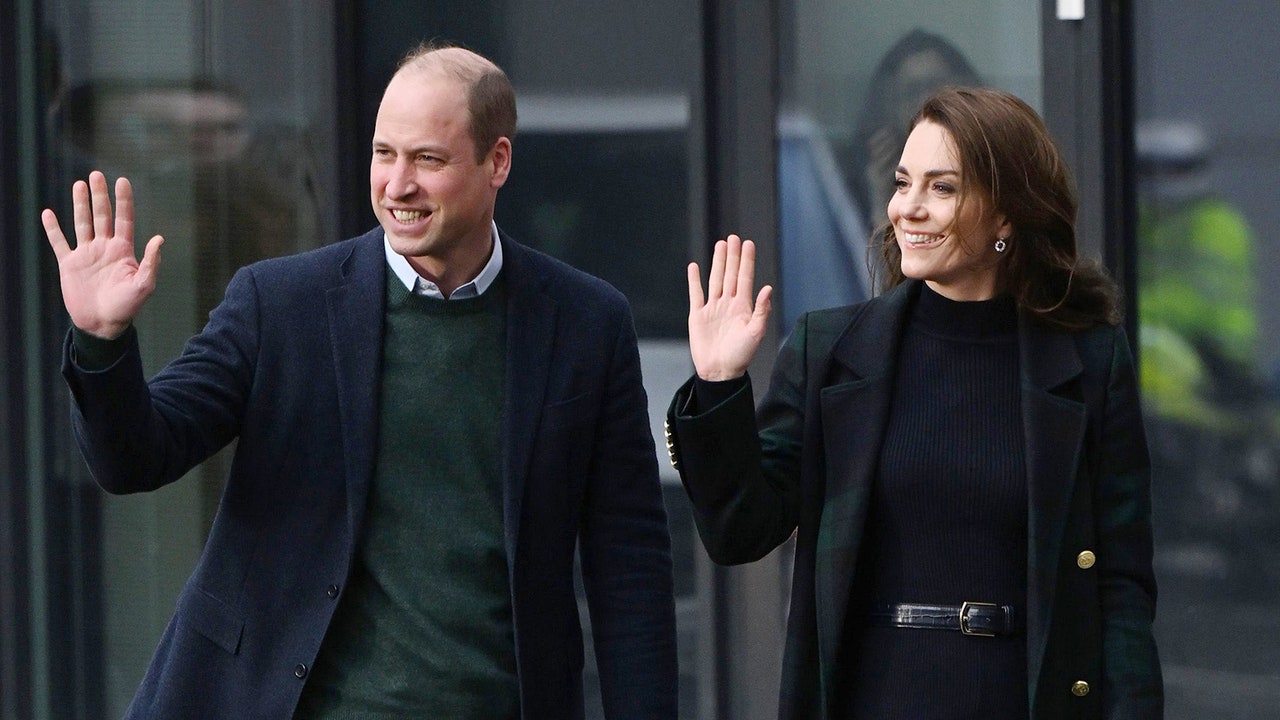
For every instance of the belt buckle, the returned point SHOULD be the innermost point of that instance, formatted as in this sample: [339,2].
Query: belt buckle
[964,618]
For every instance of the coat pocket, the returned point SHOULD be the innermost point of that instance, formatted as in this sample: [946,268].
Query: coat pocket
[213,619]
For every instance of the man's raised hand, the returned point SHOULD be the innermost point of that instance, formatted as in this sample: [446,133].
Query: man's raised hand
[103,284]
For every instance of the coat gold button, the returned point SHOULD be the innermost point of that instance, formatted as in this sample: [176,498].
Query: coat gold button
[1080,688]
[1086,560]
[671,444]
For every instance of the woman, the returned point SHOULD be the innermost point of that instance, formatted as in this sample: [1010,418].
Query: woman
[962,459]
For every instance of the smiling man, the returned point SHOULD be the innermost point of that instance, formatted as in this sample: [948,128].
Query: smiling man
[430,419]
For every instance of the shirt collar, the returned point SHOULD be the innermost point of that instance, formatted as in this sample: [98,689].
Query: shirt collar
[473,288]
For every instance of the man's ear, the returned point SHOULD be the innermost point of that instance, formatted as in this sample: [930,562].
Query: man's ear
[499,161]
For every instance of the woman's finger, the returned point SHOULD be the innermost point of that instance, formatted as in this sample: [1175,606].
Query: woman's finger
[715,280]
[764,302]
[696,300]
[733,256]
[747,269]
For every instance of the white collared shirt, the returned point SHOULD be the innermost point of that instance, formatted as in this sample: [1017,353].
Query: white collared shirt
[420,285]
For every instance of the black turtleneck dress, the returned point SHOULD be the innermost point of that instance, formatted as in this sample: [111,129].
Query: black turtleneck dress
[947,521]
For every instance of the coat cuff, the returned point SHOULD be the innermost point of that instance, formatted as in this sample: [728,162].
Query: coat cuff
[700,403]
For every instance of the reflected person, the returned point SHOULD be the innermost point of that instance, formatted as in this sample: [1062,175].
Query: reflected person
[429,419]
[961,459]
[916,66]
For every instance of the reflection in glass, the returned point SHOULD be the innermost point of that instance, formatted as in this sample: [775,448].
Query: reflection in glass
[227,141]
[845,114]
[1207,146]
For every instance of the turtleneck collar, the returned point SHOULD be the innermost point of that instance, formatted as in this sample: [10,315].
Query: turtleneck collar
[977,320]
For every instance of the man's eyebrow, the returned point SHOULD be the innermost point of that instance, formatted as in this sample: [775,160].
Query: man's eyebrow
[415,150]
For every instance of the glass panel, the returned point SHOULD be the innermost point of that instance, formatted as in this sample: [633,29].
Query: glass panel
[222,117]
[852,76]
[1208,152]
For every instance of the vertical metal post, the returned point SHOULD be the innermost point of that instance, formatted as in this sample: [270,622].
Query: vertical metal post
[15,684]
[29,373]
[1088,105]
[741,61]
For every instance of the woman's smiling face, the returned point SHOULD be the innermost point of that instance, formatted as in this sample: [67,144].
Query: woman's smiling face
[945,242]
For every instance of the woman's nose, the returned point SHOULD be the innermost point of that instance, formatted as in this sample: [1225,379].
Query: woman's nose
[907,204]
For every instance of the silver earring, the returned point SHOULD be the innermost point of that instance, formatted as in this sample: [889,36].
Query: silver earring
[1001,245]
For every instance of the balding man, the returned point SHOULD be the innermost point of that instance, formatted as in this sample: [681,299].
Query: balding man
[430,418]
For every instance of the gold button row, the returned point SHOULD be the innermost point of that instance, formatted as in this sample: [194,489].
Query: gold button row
[671,444]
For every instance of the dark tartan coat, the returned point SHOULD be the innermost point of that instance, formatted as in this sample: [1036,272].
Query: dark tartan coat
[805,461]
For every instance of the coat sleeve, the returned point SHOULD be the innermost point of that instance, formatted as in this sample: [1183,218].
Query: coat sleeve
[625,549]
[137,435]
[741,465]
[1132,686]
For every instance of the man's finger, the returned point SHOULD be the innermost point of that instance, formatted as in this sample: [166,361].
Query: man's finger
[81,212]
[57,240]
[124,209]
[101,200]
[150,265]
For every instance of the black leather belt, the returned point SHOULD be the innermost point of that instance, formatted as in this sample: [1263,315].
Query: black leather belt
[971,618]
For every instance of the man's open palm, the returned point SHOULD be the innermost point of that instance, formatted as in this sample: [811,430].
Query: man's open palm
[103,284]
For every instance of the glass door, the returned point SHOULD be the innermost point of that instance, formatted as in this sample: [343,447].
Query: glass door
[852,75]
[222,116]
[1208,161]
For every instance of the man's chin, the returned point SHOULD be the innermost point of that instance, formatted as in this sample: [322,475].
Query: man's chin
[408,246]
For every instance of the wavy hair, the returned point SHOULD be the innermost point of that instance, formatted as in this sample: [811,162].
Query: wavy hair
[1009,162]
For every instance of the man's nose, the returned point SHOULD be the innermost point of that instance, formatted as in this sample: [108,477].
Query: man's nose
[402,181]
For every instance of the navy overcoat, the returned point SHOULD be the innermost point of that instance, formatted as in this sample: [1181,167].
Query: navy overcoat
[289,365]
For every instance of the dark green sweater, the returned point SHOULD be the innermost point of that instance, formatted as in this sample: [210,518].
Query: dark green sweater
[424,629]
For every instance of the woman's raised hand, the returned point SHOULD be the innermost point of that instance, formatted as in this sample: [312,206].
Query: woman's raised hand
[103,284]
[725,329]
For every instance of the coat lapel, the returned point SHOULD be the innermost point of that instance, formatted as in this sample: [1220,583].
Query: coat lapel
[355,307]
[855,402]
[1054,425]
[531,326]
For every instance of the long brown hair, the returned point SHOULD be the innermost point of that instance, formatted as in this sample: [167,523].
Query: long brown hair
[1009,161]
